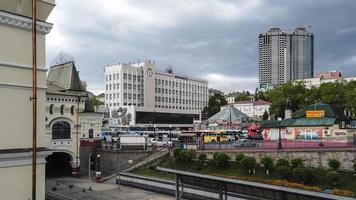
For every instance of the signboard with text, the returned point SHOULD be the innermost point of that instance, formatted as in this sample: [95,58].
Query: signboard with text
[315,113]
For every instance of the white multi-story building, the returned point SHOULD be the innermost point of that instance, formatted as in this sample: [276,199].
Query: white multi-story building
[317,81]
[137,95]
[253,109]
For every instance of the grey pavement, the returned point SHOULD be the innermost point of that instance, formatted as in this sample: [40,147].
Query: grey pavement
[101,191]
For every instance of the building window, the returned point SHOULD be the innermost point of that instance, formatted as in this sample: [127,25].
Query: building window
[61,130]
[51,109]
[72,110]
[62,109]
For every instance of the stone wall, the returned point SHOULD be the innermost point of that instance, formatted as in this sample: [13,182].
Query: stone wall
[317,158]
[84,158]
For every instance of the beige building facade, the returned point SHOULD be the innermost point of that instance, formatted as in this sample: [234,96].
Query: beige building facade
[15,103]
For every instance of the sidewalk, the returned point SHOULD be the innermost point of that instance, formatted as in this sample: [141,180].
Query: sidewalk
[101,191]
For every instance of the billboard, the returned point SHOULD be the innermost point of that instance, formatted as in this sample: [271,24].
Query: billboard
[315,113]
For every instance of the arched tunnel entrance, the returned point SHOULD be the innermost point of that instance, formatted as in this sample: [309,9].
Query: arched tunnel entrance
[58,165]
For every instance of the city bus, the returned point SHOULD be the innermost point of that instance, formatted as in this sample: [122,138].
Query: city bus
[215,136]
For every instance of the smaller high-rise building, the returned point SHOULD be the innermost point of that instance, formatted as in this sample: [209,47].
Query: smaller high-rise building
[285,55]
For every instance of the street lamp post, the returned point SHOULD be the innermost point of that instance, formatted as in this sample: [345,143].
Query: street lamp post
[279,134]
[98,172]
[170,133]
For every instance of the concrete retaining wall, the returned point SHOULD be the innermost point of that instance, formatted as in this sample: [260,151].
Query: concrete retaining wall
[112,162]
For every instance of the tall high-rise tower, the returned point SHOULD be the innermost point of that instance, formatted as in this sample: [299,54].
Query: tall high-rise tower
[285,56]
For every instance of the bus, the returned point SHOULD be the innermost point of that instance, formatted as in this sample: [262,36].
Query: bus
[215,136]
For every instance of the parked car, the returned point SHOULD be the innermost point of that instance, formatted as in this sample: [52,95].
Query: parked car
[157,142]
[115,137]
[244,143]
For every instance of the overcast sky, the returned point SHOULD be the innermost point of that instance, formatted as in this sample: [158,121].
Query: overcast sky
[213,39]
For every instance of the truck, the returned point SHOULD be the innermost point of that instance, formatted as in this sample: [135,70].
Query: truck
[135,142]
[254,132]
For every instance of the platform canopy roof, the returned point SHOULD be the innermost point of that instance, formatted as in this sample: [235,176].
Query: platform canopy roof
[228,112]
[63,76]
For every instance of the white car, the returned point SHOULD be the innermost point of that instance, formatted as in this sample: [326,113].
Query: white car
[158,143]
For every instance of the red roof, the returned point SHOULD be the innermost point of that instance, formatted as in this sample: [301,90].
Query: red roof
[255,103]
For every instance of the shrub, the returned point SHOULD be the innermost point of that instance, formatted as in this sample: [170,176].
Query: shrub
[268,163]
[334,164]
[282,162]
[239,157]
[341,192]
[248,163]
[187,156]
[221,160]
[299,173]
[283,171]
[309,175]
[176,152]
[355,166]
[333,177]
[296,162]
[202,158]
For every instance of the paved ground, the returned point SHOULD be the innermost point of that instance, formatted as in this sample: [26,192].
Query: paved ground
[101,191]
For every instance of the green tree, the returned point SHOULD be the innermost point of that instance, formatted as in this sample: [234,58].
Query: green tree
[332,93]
[265,115]
[309,175]
[289,95]
[260,95]
[297,162]
[334,164]
[243,96]
[268,163]
[333,177]
[176,152]
[202,158]
[299,173]
[214,104]
[350,96]
[282,162]
[239,157]
[187,156]
[205,113]
[284,171]
[95,102]
[249,163]
[221,160]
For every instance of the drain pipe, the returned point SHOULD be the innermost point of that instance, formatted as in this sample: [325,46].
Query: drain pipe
[34,98]
[77,137]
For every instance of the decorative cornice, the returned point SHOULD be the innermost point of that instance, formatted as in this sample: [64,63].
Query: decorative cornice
[18,86]
[24,22]
[21,66]
[22,159]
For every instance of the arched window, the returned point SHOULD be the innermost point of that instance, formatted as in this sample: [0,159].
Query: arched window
[62,109]
[51,109]
[72,110]
[61,130]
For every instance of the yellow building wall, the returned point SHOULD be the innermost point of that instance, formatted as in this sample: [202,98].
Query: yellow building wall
[16,183]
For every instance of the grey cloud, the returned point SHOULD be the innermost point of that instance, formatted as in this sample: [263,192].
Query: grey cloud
[199,38]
